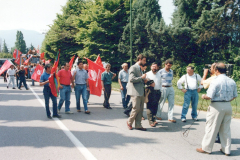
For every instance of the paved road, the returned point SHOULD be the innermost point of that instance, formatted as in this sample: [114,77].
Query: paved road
[27,134]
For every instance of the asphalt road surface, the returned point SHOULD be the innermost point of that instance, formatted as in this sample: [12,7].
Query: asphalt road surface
[27,134]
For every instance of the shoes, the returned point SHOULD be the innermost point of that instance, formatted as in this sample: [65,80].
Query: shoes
[129,126]
[183,120]
[19,88]
[141,129]
[172,120]
[87,112]
[68,112]
[78,110]
[109,107]
[7,86]
[143,118]
[27,89]
[126,113]
[49,117]
[13,88]
[57,116]
[224,153]
[155,123]
[195,119]
[158,118]
[201,151]
[88,103]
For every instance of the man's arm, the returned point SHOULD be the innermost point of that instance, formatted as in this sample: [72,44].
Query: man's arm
[204,96]
[205,73]
[43,83]
[180,82]
[135,79]
[103,86]
[114,75]
[120,83]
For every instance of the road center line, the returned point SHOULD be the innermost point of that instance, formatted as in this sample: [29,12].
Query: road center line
[85,152]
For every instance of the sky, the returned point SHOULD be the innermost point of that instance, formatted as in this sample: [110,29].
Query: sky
[38,14]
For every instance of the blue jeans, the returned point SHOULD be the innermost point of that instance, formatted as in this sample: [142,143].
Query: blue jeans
[33,82]
[22,80]
[125,99]
[81,89]
[88,95]
[190,95]
[65,94]
[48,94]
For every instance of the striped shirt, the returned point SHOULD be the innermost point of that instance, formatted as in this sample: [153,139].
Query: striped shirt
[167,77]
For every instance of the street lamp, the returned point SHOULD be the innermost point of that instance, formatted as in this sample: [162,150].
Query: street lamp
[131,32]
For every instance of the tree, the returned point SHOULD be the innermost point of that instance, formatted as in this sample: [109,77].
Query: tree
[0,45]
[32,47]
[20,43]
[146,19]
[5,49]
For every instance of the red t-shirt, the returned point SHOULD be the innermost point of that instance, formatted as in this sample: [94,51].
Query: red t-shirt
[64,77]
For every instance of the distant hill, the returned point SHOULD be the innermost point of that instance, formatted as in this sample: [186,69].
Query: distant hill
[30,36]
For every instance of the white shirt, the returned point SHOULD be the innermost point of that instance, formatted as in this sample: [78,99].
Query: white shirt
[11,72]
[190,82]
[156,78]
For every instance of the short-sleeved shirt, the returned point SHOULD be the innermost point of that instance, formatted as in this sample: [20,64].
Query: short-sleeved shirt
[156,78]
[222,88]
[64,77]
[107,77]
[81,76]
[11,72]
[123,76]
[207,82]
[167,77]
[44,77]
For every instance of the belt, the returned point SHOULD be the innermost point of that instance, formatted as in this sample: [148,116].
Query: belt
[65,85]
[124,82]
[11,75]
[166,86]
[220,101]
[80,84]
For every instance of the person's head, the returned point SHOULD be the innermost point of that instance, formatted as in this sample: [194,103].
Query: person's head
[85,66]
[80,64]
[22,67]
[62,67]
[213,67]
[190,70]
[66,66]
[220,68]
[18,67]
[48,67]
[11,66]
[43,64]
[125,66]
[154,67]
[168,64]
[108,67]
[141,59]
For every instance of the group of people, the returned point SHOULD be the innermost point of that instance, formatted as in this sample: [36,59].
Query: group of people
[155,87]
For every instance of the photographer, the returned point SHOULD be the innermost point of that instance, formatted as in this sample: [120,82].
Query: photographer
[218,119]
[206,82]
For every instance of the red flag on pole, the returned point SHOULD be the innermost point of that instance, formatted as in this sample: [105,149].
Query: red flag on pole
[26,62]
[42,55]
[18,57]
[5,66]
[94,78]
[48,61]
[71,63]
[37,73]
[15,53]
[99,61]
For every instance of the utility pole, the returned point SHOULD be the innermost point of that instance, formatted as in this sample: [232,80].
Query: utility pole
[131,32]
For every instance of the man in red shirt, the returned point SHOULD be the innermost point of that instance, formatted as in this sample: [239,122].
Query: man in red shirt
[65,79]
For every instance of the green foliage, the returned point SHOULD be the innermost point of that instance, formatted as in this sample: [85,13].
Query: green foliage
[5,49]
[20,43]
[6,55]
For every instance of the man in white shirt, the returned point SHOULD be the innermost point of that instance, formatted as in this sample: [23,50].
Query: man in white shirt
[11,76]
[154,95]
[192,85]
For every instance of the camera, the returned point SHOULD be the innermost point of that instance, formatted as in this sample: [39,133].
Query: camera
[229,69]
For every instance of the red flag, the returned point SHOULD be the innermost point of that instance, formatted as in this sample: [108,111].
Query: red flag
[18,57]
[5,66]
[37,73]
[15,53]
[71,63]
[26,62]
[94,78]
[43,60]
[42,55]
[48,61]
[99,61]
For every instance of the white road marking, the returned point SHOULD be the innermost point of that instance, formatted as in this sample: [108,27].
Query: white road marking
[85,152]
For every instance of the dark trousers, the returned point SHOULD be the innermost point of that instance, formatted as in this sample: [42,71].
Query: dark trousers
[152,105]
[17,79]
[22,80]
[125,97]
[48,94]
[128,109]
[107,94]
